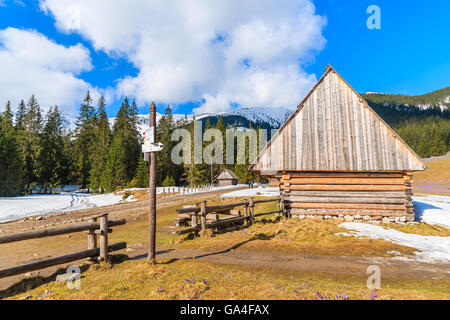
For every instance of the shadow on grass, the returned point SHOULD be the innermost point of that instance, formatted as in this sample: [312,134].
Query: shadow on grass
[31,283]
[260,236]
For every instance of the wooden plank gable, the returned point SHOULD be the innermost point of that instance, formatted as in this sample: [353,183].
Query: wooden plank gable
[334,129]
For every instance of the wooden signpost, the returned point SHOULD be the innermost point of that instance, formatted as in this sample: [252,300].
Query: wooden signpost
[149,148]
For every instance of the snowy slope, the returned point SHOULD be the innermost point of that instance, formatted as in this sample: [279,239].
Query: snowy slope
[269,117]
[12,208]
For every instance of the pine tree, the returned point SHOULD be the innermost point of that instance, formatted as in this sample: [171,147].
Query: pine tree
[437,144]
[84,133]
[114,174]
[424,148]
[51,155]
[165,166]
[168,182]
[142,174]
[194,174]
[101,143]
[123,155]
[10,158]
[20,116]
[29,129]
[220,126]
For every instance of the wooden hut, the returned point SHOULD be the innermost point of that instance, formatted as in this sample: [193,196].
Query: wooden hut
[336,157]
[227,178]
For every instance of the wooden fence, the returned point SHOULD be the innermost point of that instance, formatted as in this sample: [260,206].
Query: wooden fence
[175,191]
[202,217]
[101,228]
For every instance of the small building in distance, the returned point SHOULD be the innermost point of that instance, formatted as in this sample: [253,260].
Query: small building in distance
[336,157]
[227,178]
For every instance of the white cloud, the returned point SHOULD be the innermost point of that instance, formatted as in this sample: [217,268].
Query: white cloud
[32,64]
[246,52]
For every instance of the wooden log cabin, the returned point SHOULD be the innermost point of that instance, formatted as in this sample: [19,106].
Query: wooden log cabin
[335,157]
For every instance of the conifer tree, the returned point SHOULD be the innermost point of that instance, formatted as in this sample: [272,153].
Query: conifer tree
[164,130]
[84,133]
[141,179]
[101,143]
[168,182]
[51,152]
[29,130]
[20,116]
[194,174]
[437,144]
[114,174]
[123,155]
[10,158]
[220,126]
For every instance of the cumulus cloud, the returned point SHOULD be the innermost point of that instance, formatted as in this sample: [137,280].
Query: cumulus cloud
[224,53]
[33,64]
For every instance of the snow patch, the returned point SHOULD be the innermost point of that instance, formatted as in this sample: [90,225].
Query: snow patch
[432,248]
[13,208]
[433,209]
[261,191]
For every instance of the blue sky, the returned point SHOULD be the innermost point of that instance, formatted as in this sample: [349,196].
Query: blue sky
[408,55]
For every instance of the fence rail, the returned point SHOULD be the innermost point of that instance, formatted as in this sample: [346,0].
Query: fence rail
[207,217]
[93,228]
[178,191]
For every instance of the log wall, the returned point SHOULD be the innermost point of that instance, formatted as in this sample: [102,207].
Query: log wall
[369,195]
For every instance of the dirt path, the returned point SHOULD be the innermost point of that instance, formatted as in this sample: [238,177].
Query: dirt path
[129,210]
[19,253]
[390,268]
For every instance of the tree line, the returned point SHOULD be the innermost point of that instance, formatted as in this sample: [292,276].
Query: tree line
[42,152]
[426,131]
[39,150]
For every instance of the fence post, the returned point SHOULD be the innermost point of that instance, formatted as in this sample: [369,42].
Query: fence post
[251,206]
[104,238]
[92,240]
[279,214]
[203,217]
[246,211]
[283,213]
[194,218]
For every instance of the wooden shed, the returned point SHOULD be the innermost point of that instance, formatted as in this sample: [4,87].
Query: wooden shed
[227,178]
[336,157]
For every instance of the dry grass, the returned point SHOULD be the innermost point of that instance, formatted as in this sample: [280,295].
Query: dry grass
[307,236]
[423,229]
[434,181]
[195,279]
[187,279]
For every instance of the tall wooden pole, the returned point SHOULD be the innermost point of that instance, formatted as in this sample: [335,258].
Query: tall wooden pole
[152,190]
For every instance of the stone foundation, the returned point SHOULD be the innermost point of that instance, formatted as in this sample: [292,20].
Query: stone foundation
[358,218]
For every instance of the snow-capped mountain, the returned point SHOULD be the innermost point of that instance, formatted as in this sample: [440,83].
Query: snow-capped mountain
[266,118]
[438,99]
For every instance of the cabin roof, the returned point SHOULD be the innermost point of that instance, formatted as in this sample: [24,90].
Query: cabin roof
[335,129]
[227,174]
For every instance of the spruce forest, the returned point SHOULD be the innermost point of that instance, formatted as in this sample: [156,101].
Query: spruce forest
[40,152]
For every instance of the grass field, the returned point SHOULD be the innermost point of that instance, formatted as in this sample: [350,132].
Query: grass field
[434,181]
[198,279]
[191,279]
